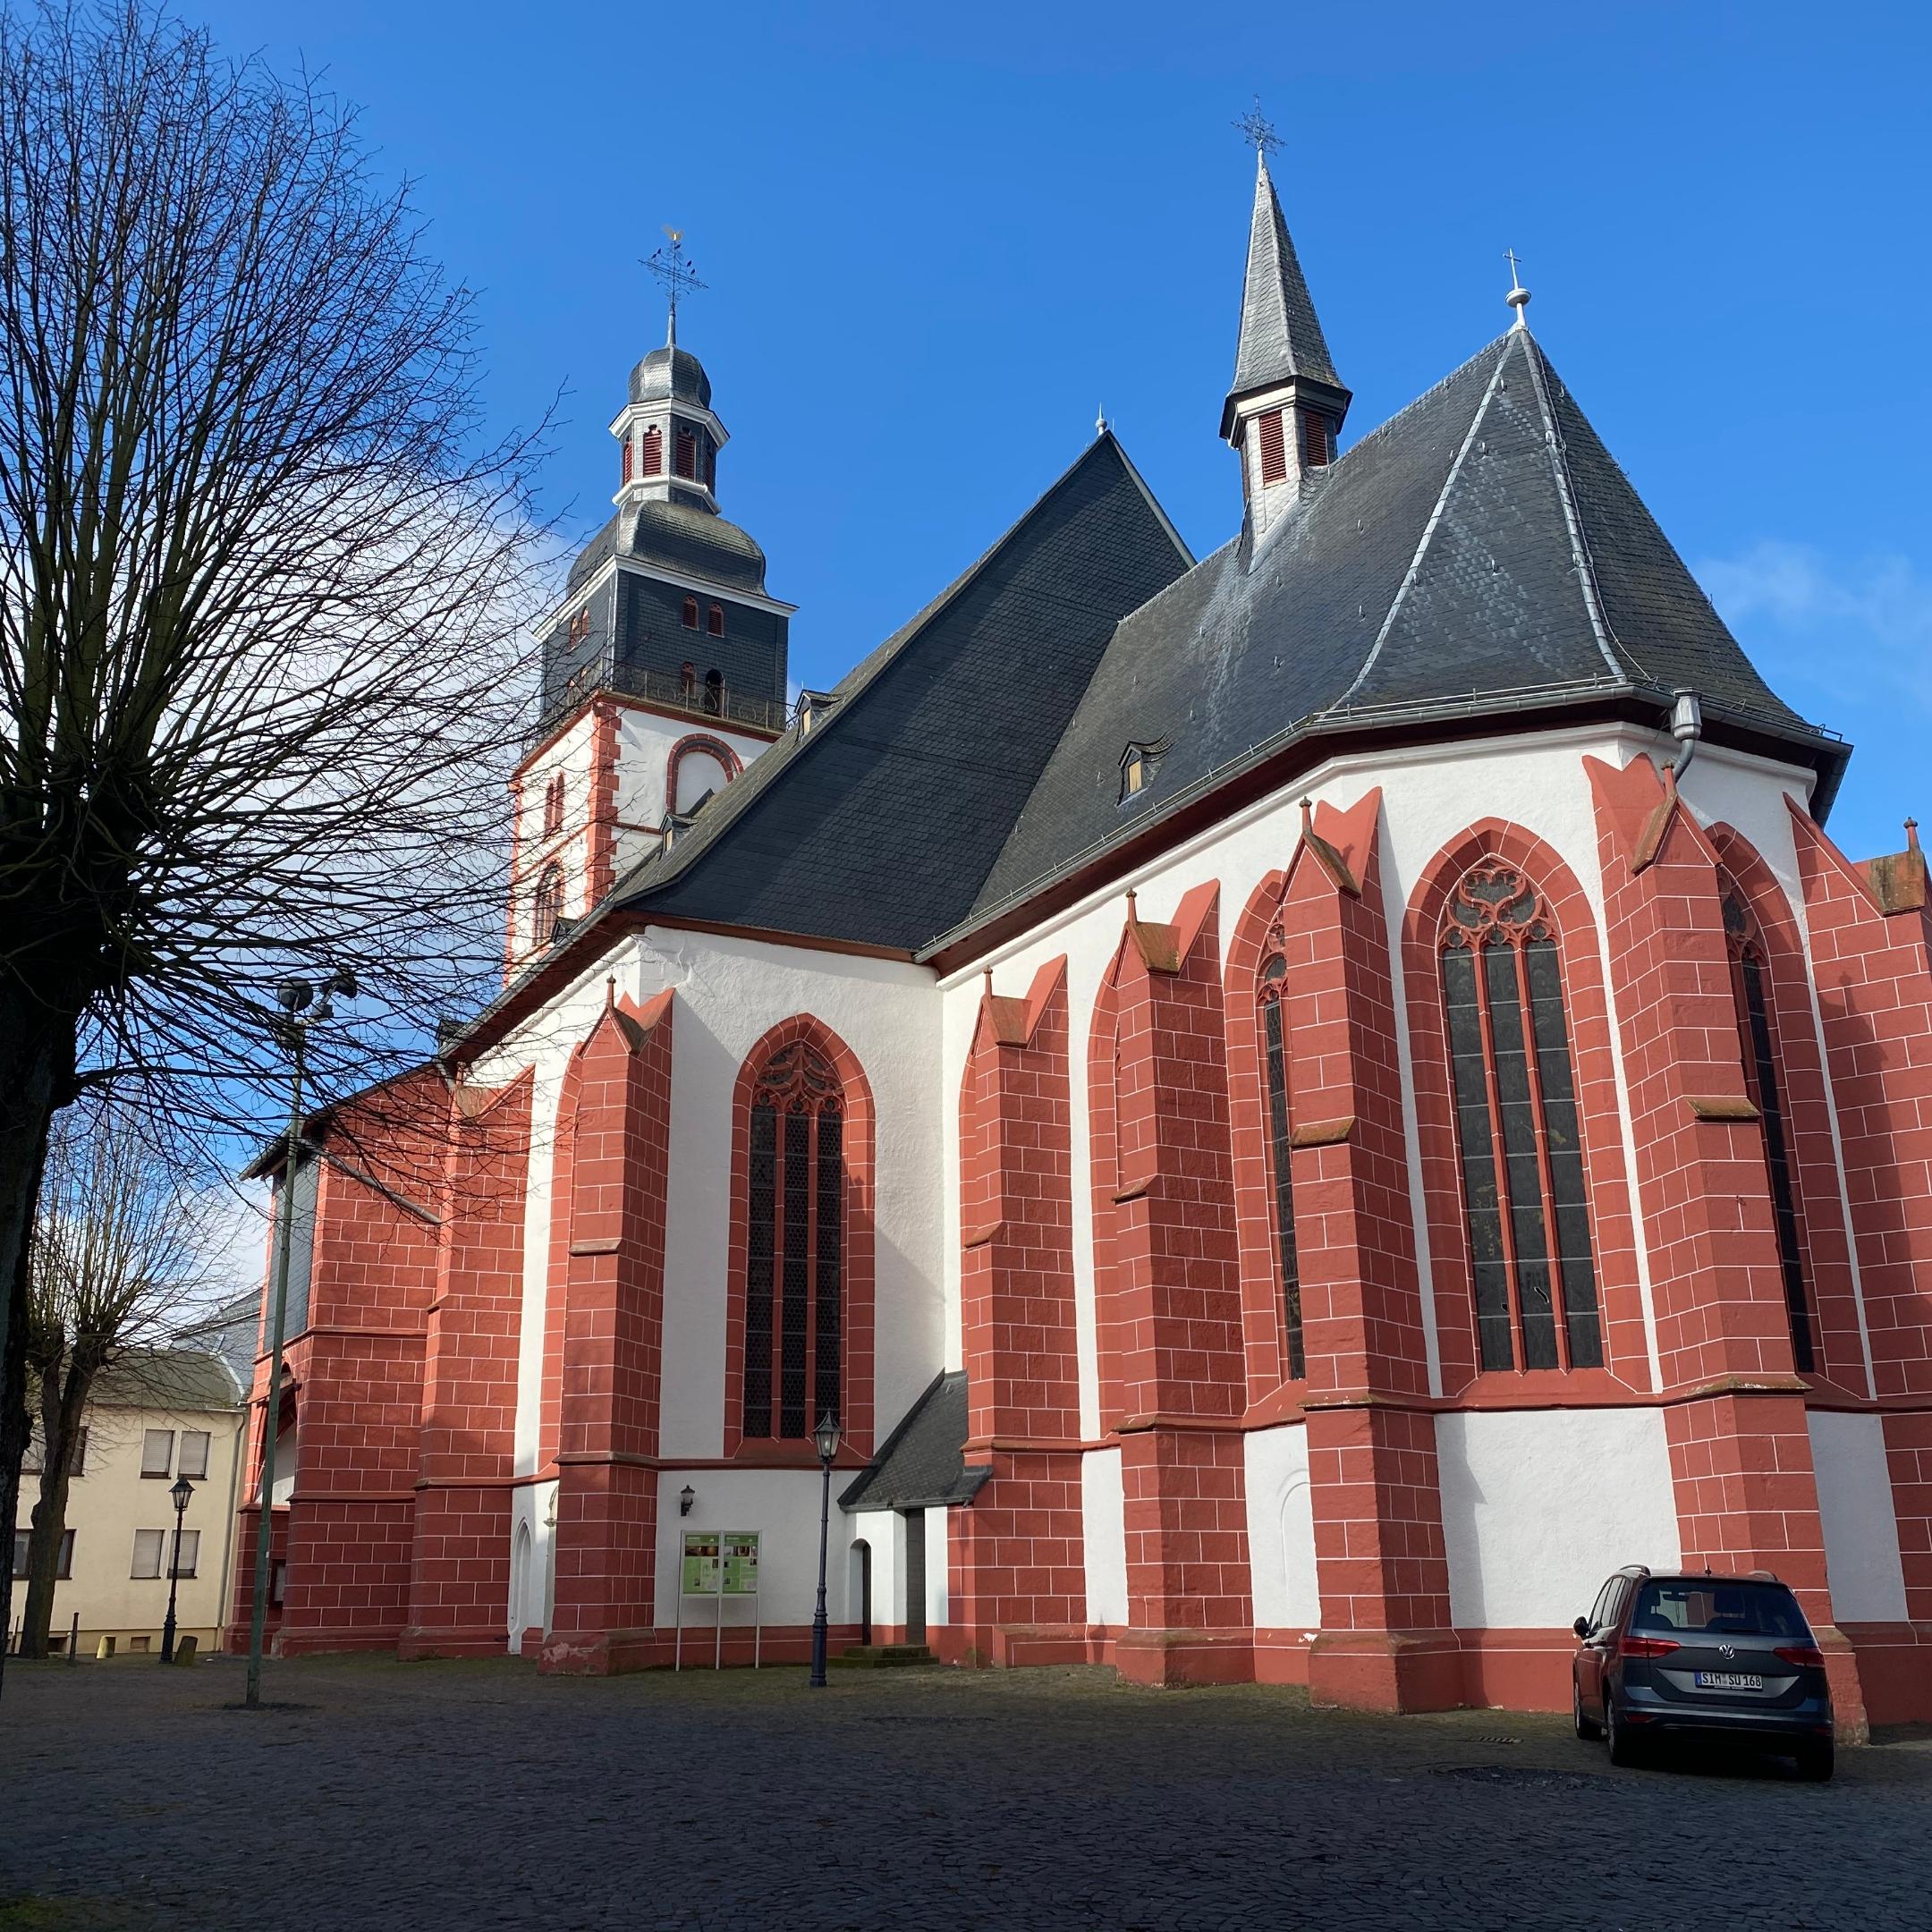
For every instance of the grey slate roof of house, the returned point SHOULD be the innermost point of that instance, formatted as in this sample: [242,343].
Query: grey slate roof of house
[919,1466]
[1480,553]
[168,1379]
[880,823]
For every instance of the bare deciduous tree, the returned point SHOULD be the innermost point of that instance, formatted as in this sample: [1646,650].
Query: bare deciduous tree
[261,589]
[121,1250]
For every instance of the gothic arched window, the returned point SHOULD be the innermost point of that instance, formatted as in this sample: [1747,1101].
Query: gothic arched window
[1274,1086]
[1517,1126]
[1750,991]
[547,905]
[795,1245]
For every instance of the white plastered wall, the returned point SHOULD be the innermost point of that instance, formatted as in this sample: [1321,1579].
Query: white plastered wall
[645,742]
[1539,1505]
[1860,1520]
[1281,1529]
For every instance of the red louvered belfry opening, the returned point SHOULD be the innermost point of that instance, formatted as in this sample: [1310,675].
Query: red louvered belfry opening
[714,620]
[1317,440]
[628,459]
[687,454]
[1274,448]
[653,451]
[691,614]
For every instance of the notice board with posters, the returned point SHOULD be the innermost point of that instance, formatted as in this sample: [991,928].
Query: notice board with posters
[717,1564]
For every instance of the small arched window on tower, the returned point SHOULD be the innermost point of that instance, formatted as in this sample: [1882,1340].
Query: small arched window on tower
[1275,1078]
[552,805]
[687,453]
[714,621]
[795,1246]
[714,692]
[651,455]
[1750,992]
[688,682]
[579,626]
[1138,763]
[547,905]
[691,614]
[1317,440]
[1517,1125]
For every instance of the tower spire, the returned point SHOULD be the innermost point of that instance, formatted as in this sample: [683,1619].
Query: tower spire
[1284,379]
[675,275]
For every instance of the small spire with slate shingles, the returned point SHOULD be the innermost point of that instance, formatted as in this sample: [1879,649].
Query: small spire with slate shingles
[1287,404]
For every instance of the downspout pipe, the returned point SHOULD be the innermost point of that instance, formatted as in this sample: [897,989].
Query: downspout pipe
[1687,727]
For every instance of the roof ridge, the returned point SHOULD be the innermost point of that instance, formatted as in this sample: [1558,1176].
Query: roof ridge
[1607,642]
[1428,529]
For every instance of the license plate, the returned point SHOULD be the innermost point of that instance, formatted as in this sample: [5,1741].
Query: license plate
[1723,1679]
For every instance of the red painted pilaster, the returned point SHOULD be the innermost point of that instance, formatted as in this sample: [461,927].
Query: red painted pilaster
[1169,1304]
[1017,1549]
[460,1572]
[616,1111]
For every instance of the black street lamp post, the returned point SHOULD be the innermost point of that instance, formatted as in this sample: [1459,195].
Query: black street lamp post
[181,1493]
[827,1438]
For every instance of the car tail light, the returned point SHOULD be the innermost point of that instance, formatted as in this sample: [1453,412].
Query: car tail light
[1643,1646]
[1802,1654]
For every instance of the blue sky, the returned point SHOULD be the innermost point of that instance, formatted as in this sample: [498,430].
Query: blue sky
[937,240]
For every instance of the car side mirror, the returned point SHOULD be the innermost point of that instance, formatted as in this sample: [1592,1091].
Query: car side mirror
[1581,1626]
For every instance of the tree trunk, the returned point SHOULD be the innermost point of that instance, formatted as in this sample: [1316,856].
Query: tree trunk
[37,1050]
[63,1403]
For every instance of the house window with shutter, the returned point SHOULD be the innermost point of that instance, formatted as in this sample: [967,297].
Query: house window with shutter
[714,620]
[63,1563]
[1317,440]
[1525,1202]
[157,1454]
[1274,448]
[194,1454]
[189,1555]
[687,453]
[651,455]
[150,1545]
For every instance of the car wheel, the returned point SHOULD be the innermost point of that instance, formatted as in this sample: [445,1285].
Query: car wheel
[1816,1762]
[1624,1747]
[1586,1727]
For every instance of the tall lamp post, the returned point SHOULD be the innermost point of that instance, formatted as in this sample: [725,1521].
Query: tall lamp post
[827,1438]
[300,1012]
[181,1493]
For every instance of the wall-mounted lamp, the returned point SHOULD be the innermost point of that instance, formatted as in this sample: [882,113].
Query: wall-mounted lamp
[687,1495]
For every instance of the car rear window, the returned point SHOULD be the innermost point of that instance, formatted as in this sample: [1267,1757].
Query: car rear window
[1721,1609]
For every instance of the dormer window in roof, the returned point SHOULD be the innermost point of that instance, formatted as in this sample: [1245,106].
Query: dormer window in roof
[1138,763]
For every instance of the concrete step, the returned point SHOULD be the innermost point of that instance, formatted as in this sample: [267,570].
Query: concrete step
[884,1656]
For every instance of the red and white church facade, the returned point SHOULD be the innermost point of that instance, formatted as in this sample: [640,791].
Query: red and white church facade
[1363,1101]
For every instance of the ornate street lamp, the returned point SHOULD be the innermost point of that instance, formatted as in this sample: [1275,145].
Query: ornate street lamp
[300,1012]
[827,1438]
[181,1493]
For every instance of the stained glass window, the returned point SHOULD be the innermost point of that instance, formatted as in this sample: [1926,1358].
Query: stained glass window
[1517,1127]
[1750,992]
[1275,1075]
[795,1246]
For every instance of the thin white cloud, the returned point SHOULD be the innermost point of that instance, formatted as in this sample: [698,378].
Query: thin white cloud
[1860,629]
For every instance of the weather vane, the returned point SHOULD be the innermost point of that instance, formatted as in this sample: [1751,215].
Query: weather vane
[675,273]
[1259,130]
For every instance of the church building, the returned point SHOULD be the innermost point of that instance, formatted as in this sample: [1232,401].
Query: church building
[1298,1108]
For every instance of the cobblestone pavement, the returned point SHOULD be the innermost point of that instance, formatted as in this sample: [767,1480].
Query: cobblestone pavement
[459,1796]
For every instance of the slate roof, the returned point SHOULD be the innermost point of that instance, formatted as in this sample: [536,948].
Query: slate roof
[1480,553]
[168,1379]
[1281,337]
[687,542]
[919,1466]
[880,823]
[673,375]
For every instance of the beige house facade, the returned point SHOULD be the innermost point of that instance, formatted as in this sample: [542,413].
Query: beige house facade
[156,1416]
